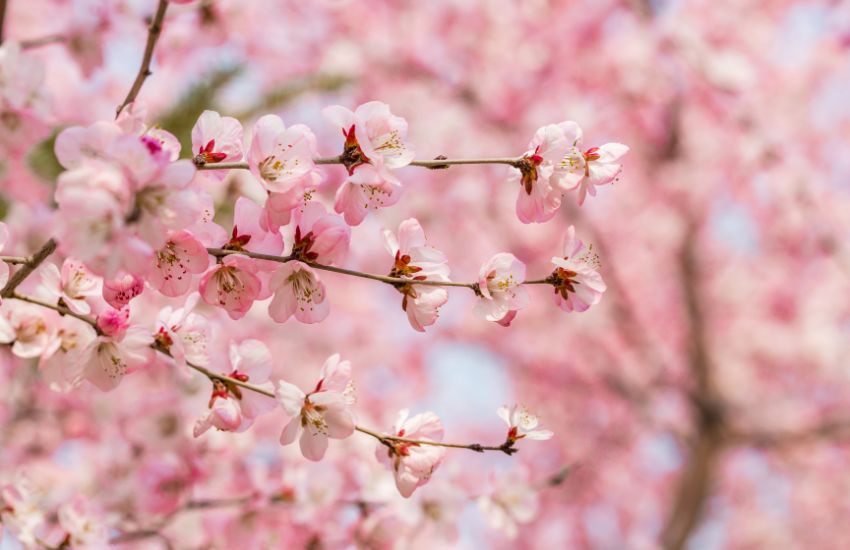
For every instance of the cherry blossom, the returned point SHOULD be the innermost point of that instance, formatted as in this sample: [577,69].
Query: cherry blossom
[84,527]
[413,463]
[416,261]
[513,501]
[28,328]
[216,138]
[119,291]
[61,364]
[374,145]
[281,157]
[544,174]
[595,166]
[319,236]
[20,511]
[230,408]
[177,261]
[73,285]
[366,189]
[232,284]
[321,414]
[298,292]
[500,282]
[184,333]
[108,359]
[578,284]
[521,424]
[373,135]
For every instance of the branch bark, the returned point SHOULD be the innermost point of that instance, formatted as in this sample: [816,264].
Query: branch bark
[27,268]
[154,30]
[695,483]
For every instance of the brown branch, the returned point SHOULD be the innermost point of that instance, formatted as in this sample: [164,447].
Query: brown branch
[27,268]
[2,18]
[507,447]
[42,41]
[62,310]
[827,430]
[436,164]
[389,440]
[154,30]
[13,260]
[695,482]
[220,252]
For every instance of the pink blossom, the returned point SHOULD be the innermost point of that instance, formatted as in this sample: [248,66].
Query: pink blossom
[72,286]
[413,463]
[542,175]
[232,284]
[374,145]
[366,189]
[500,281]
[251,361]
[21,80]
[278,209]
[20,512]
[521,424]
[166,202]
[297,291]
[85,527]
[281,157]
[185,334]
[373,135]
[177,261]
[588,169]
[61,364]
[249,234]
[119,291]
[578,284]
[416,261]
[224,413]
[114,322]
[321,414]
[216,138]
[512,501]
[76,145]
[106,360]
[93,201]
[231,409]
[319,236]
[27,327]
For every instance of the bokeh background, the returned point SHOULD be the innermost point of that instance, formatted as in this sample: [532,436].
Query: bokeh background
[702,404]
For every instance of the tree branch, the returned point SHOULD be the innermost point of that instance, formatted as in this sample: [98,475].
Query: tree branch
[154,30]
[507,447]
[2,19]
[27,268]
[220,252]
[436,164]
[695,483]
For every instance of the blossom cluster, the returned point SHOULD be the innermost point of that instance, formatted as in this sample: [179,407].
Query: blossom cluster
[132,212]
[133,217]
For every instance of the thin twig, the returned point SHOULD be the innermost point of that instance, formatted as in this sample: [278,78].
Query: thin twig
[62,310]
[42,41]
[2,18]
[435,164]
[14,259]
[28,267]
[389,440]
[507,447]
[219,252]
[154,30]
